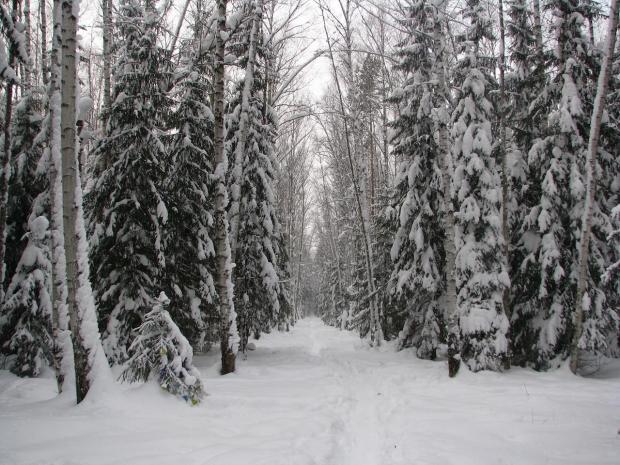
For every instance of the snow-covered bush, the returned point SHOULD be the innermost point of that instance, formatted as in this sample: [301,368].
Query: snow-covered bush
[161,348]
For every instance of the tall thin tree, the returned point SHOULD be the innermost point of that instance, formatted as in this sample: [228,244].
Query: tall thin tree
[223,279]
[588,211]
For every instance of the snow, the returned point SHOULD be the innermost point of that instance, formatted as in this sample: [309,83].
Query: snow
[320,396]
[100,378]
[85,106]
[477,319]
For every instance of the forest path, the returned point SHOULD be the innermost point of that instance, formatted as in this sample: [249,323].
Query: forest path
[320,396]
[350,404]
[333,381]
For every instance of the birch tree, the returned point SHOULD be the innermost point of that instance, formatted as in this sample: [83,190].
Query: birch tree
[582,301]
[223,270]
[63,350]
[88,354]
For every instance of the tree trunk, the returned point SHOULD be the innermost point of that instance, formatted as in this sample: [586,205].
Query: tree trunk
[63,351]
[228,329]
[69,180]
[106,7]
[384,104]
[372,156]
[454,349]
[6,157]
[503,146]
[177,32]
[334,246]
[43,23]
[538,27]
[27,20]
[299,256]
[586,225]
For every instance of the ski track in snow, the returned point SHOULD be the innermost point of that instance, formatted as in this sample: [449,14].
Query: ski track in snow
[320,396]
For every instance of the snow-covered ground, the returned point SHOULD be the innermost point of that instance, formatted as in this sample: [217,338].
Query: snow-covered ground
[318,396]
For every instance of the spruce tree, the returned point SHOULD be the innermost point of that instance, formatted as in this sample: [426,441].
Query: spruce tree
[609,188]
[418,276]
[553,222]
[27,309]
[189,190]
[25,183]
[480,270]
[126,204]
[257,255]
[526,118]
[161,349]
[256,273]
[392,308]
[284,318]
[14,54]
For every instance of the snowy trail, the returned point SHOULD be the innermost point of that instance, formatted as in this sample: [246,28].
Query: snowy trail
[319,396]
[363,443]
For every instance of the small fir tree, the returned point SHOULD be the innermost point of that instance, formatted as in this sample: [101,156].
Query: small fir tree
[27,309]
[25,183]
[161,349]
[392,309]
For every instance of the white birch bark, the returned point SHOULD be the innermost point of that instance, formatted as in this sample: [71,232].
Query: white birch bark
[447,169]
[89,361]
[586,222]
[223,283]
[68,150]
[63,350]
